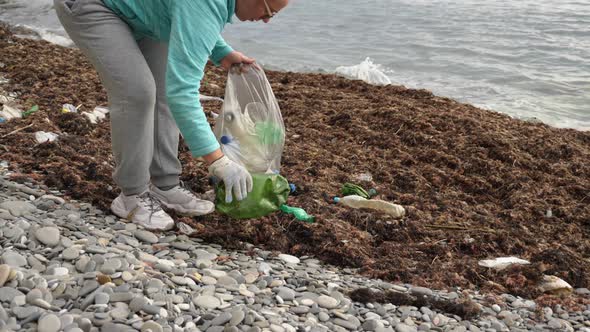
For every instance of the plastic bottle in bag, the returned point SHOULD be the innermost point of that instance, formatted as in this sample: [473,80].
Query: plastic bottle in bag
[250,127]
[358,202]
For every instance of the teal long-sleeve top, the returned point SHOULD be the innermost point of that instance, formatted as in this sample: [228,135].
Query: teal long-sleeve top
[192,29]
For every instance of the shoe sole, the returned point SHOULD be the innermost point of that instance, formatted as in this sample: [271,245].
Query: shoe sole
[184,213]
[126,217]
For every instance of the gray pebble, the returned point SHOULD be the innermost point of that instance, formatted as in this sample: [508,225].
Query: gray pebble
[146,236]
[49,323]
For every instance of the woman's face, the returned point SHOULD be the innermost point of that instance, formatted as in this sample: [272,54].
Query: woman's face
[258,10]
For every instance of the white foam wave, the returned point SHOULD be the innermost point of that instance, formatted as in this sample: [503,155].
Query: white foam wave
[46,34]
[367,71]
[55,38]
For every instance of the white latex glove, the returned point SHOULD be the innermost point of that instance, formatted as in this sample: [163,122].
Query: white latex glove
[235,177]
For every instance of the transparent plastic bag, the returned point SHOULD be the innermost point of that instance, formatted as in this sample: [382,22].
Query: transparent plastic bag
[250,127]
[251,132]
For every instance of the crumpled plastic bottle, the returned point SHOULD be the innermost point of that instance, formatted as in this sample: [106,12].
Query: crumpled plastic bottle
[358,202]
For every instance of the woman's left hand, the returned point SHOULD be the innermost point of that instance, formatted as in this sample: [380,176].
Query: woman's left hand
[235,58]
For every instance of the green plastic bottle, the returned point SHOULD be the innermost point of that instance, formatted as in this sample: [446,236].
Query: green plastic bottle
[299,213]
[269,192]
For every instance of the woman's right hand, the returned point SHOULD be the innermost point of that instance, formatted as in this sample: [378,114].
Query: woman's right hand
[234,176]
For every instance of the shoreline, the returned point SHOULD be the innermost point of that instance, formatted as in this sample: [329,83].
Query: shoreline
[35,34]
[504,171]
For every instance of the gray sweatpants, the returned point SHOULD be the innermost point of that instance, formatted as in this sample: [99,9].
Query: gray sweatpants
[143,132]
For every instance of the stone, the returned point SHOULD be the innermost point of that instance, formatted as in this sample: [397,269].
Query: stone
[237,316]
[151,309]
[49,323]
[110,266]
[203,263]
[121,297]
[85,324]
[289,259]
[214,273]
[323,317]
[66,320]
[151,326]
[300,310]
[59,271]
[137,303]
[221,319]
[372,325]
[307,302]
[88,287]
[53,198]
[181,245]
[102,298]
[49,236]
[127,276]
[207,280]
[8,293]
[327,302]
[401,327]
[13,259]
[421,291]
[286,294]
[226,281]
[41,304]
[146,236]
[264,268]
[71,253]
[17,208]
[346,324]
[207,301]
[4,273]
[34,294]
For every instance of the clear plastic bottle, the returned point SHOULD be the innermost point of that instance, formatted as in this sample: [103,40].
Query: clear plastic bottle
[357,202]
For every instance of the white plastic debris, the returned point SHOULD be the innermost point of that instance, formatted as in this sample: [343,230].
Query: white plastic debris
[555,285]
[364,177]
[184,228]
[501,263]
[43,137]
[549,213]
[91,116]
[6,99]
[69,108]
[10,112]
[101,109]
[97,115]
[207,98]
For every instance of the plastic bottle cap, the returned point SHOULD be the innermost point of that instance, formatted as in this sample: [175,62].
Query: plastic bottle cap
[337,199]
[292,187]
[225,139]
[229,117]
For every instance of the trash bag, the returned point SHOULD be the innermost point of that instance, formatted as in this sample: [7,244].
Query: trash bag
[250,127]
[251,132]
[269,192]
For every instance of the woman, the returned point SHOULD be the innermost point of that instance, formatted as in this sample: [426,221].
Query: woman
[151,56]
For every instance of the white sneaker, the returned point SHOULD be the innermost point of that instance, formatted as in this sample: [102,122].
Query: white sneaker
[144,210]
[183,201]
